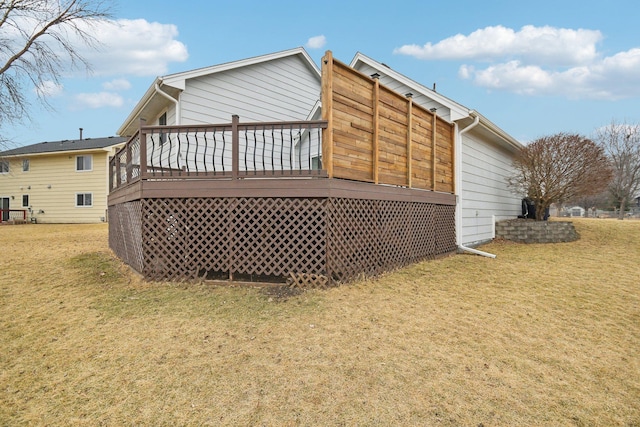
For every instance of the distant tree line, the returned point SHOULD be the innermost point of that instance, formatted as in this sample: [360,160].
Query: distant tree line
[571,168]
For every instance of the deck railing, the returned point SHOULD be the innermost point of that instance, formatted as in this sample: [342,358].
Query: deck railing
[13,215]
[224,151]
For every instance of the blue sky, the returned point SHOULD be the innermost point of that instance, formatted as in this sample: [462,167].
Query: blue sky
[533,68]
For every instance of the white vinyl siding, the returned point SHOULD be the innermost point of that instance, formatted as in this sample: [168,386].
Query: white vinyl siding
[278,90]
[284,89]
[484,192]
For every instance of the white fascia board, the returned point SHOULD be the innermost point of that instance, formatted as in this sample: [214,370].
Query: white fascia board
[458,111]
[315,110]
[493,128]
[66,152]
[139,106]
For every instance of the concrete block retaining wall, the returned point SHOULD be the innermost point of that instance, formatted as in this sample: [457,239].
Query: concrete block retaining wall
[530,231]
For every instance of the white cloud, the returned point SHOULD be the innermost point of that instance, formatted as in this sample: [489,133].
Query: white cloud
[135,47]
[49,89]
[539,61]
[98,100]
[117,85]
[550,45]
[316,42]
[124,46]
[614,77]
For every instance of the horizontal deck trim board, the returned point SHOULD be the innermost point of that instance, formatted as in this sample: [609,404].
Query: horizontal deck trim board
[294,188]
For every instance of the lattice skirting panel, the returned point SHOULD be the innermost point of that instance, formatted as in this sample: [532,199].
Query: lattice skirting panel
[277,239]
[125,233]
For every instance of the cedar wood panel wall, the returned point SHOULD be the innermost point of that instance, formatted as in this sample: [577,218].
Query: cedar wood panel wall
[377,135]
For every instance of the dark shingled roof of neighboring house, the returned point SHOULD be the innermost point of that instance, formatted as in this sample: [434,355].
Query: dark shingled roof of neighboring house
[66,145]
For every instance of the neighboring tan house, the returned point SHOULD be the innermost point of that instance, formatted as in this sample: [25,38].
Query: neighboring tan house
[57,182]
[269,167]
[483,156]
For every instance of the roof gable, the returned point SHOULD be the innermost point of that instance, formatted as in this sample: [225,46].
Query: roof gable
[171,85]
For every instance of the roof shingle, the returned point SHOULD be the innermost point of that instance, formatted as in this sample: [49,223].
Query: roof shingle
[66,145]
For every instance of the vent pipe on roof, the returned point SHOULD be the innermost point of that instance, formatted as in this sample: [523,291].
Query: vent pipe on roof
[80,134]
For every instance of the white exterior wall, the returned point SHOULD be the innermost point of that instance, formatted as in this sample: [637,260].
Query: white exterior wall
[277,90]
[484,193]
[283,89]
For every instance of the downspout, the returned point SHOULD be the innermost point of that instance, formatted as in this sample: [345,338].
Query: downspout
[462,248]
[170,98]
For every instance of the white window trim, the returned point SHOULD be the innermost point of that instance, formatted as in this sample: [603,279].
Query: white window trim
[84,170]
[29,200]
[28,163]
[84,206]
[8,163]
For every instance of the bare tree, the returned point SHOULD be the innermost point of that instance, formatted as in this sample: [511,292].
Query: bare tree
[558,168]
[39,41]
[621,142]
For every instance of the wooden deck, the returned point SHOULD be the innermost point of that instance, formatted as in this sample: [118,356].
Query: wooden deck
[367,189]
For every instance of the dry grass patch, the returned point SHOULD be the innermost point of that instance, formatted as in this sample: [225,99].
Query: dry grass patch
[541,335]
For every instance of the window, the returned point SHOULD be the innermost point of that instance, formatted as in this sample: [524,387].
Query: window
[25,165]
[84,200]
[25,200]
[84,163]
[4,166]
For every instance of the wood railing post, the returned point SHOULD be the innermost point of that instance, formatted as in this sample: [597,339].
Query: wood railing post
[143,150]
[327,112]
[376,132]
[235,146]
[129,164]
[112,162]
[433,151]
[409,137]
[118,175]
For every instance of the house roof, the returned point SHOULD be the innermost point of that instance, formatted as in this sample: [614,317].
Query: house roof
[171,85]
[459,113]
[66,145]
